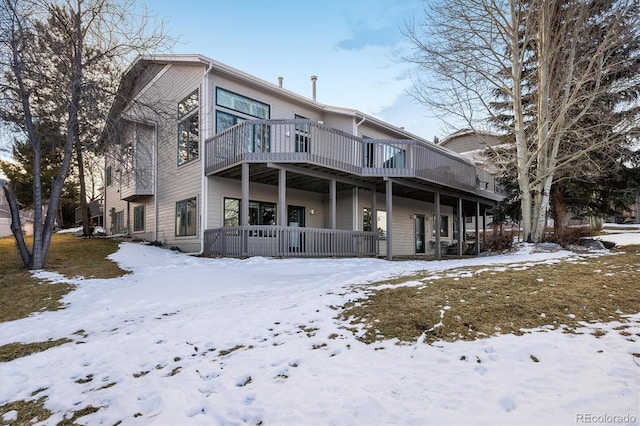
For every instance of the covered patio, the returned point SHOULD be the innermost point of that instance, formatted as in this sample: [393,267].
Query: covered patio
[301,154]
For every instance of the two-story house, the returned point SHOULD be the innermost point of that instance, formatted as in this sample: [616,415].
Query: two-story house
[215,161]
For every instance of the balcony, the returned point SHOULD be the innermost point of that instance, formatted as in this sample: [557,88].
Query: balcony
[136,184]
[305,142]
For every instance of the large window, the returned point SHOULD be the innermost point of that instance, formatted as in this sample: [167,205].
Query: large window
[260,212]
[188,128]
[186,217]
[225,120]
[255,138]
[243,104]
[138,218]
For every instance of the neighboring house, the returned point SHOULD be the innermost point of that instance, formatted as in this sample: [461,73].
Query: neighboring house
[26,216]
[474,145]
[96,214]
[218,162]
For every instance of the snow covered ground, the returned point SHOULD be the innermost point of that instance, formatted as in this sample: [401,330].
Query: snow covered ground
[186,340]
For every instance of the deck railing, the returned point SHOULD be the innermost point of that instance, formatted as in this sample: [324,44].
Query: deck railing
[298,141]
[285,241]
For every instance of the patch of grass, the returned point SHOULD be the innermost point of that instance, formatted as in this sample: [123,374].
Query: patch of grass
[481,302]
[13,351]
[77,414]
[21,294]
[29,412]
[34,411]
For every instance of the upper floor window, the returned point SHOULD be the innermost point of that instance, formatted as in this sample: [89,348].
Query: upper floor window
[302,135]
[188,128]
[243,104]
[225,120]
[109,177]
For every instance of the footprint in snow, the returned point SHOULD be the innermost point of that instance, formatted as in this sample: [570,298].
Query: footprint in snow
[507,404]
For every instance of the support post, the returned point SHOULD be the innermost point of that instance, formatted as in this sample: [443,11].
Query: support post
[477,222]
[389,206]
[332,202]
[244,208]
[437,225]
[460,228]
[484,227]
[282,197]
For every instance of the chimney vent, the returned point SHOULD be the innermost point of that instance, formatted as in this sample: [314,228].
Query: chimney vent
[280,81]
[314,78]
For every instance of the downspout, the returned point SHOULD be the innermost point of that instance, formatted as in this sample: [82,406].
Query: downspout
[155,183]
[355,126]
[204,188]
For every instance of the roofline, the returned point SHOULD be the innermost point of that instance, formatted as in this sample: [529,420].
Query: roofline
[219,66]
[465,132]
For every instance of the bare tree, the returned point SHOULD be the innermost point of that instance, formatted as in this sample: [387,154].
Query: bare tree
[471,52]
[58,56]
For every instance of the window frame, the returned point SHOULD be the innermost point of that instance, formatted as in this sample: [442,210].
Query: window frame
[138,218]
[236,118]
[189,225]
[242,98]
[255,219]
[444,226]
[189,125]
[303,134]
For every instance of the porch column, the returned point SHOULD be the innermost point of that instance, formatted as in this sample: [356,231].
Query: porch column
[374,211]
[436,224]
[460,230]
[478,228]
[484,226]
[389,206]
[244,207]
[332,203]
[282,197]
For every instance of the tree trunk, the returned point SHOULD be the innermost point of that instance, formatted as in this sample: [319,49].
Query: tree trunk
[84,206]
[16,226]
[559,208]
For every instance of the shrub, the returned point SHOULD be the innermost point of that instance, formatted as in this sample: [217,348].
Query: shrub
[500,241]
[570,236]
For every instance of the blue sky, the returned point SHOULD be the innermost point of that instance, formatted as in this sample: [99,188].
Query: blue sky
[355,47]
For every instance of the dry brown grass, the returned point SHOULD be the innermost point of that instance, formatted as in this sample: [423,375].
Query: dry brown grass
[33,411]
[21,294]
[473,303]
